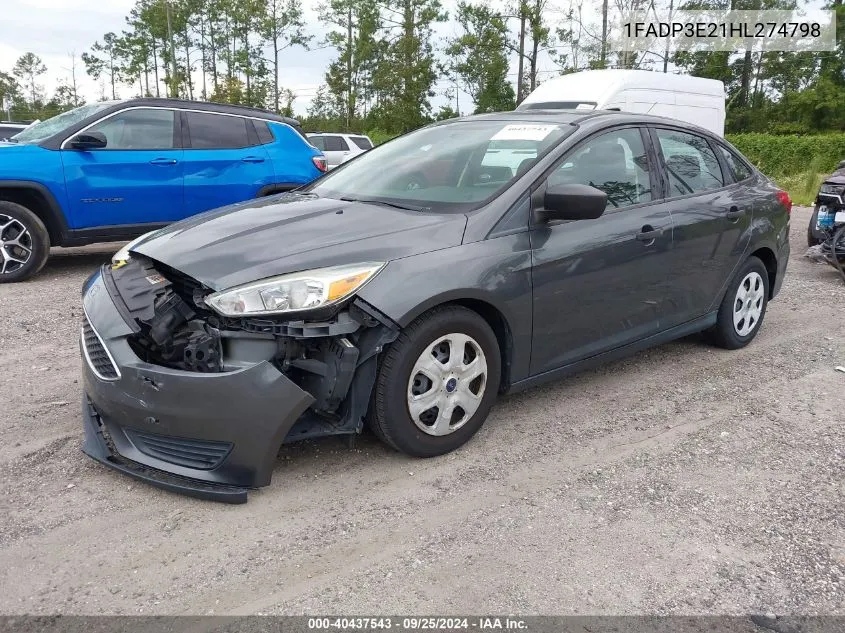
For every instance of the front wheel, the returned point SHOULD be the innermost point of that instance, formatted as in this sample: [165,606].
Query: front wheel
[437,383]
[24,242]
[743,308]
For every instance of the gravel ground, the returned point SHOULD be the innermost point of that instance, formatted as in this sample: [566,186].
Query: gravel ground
[682,480]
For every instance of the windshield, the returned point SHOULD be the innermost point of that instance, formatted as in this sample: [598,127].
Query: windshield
[458,166]
[37,132]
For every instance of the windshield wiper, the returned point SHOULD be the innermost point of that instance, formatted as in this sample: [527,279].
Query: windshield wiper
[395,205]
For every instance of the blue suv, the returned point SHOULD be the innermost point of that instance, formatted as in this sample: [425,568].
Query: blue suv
[115,170]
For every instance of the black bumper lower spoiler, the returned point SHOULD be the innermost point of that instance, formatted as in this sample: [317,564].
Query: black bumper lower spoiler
[97,445]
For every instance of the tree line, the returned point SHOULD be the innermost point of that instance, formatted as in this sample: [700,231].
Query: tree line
[391,60]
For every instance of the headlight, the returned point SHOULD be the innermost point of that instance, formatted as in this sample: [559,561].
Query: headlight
[122,256]
[297,291]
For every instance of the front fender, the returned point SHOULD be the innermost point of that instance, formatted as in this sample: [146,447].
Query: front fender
[496,272]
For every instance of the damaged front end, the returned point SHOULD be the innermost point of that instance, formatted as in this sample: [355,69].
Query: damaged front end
[193,401]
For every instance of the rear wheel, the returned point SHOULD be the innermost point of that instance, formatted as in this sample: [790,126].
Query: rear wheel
[24,242]
[743,308]
[437,383]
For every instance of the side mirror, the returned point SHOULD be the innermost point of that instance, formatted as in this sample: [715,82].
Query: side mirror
[841,165]
[89,140]
[573,202]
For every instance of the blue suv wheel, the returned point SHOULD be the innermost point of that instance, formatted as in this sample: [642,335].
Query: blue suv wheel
[24,242]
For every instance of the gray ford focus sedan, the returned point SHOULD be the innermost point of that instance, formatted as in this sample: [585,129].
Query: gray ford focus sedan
[411,286]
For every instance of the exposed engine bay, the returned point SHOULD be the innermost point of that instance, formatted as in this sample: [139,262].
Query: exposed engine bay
[332,355]
[830,221]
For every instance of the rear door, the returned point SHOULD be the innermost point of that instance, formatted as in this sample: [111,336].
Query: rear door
[224,162]
[711,215]
[335,148]
[136,179]
[600,284]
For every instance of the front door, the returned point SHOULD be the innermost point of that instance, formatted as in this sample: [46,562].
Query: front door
[600,284]
[135,179]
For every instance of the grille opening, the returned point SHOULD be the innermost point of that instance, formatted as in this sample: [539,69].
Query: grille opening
[95,353]
[199,454]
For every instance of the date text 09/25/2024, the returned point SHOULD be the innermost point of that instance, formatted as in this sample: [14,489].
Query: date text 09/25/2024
[416,623]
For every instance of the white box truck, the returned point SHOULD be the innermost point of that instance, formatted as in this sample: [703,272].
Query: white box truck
[691,99]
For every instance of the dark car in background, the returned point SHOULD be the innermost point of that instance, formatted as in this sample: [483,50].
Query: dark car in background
[829,200]
[117,169]
[357,300]
[8,129]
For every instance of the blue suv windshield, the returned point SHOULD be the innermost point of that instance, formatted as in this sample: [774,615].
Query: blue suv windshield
[41,130]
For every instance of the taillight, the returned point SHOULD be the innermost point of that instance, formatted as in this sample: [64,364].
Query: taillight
[320,163]
[785,200]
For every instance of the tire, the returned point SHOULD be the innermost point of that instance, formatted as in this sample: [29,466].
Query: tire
[433,434]
[753,299]
[812,234]
[21,232]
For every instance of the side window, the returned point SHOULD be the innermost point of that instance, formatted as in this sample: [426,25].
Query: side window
[335,144]
[362,141]
[318,142]
[614,162]
[264,134]
[738,168]
[138,129]
[691,164]
[216,131]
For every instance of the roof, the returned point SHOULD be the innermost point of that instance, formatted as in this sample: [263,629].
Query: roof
[208,106]
[576,117]
[595,85]
[544,116]
[361,134]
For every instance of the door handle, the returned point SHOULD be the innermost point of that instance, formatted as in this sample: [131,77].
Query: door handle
[648,233]
[734,213]
[163,161]
[252,159]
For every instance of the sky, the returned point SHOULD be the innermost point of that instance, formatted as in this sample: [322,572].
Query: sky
[55,29]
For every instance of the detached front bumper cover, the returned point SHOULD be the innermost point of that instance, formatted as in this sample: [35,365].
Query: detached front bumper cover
[98,445]
[209,435]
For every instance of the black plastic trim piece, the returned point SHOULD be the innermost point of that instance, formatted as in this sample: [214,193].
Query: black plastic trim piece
[685,329]
[277,187]
[56,223]
[109,233]
[96,446]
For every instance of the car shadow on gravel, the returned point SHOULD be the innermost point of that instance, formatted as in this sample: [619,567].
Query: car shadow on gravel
[72,261]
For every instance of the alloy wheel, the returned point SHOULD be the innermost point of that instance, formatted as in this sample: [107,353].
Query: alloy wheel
[447,384]
[15,244]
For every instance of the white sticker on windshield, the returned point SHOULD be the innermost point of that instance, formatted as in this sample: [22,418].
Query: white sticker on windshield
[523,132]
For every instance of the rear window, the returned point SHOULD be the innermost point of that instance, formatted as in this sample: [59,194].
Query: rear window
[264,134]
[335,144]
[738,169]
[691,164]
[216,131]
[362,141]
[317,141]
